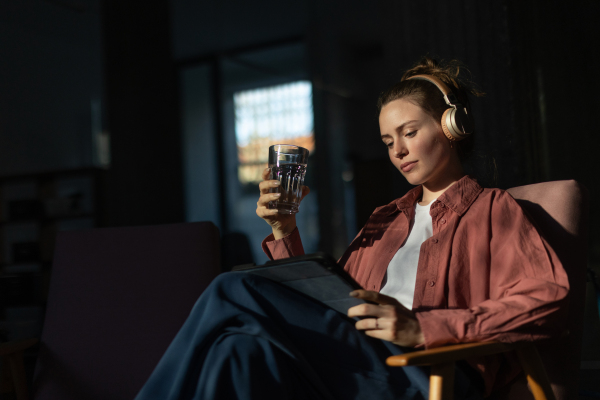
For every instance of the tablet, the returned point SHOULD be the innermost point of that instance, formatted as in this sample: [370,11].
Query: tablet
[316,275]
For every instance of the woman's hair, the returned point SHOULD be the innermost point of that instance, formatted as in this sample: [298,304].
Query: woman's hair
[427,96]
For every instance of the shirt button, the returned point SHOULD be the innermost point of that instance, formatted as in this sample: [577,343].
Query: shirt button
[432,283]
[434,240]
[442,221]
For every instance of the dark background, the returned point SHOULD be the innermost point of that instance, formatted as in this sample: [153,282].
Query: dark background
[74,70]
[536,60]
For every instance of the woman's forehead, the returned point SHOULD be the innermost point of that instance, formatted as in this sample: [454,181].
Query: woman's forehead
[401,111]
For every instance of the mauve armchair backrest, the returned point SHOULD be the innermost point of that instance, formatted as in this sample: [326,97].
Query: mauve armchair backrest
[560,210]
[117,298]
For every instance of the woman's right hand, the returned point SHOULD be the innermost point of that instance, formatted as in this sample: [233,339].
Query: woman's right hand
[282,224]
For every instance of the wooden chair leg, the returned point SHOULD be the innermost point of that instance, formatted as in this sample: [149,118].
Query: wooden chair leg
[17,371]
[441,381]
[535,372]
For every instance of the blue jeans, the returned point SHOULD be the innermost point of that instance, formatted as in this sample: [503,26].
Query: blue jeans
[250,338]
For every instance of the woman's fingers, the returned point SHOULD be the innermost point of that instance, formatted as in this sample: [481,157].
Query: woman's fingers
[262,209]
[265,186]
[389,320]
[400,330]
[369,324]
[305,191]
[375,297]
[265,212]
[264,200]
[380,328]
[367,310]
[262,205]
[266,174]
[382,334]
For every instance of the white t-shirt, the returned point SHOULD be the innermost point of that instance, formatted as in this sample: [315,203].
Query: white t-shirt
[401,275]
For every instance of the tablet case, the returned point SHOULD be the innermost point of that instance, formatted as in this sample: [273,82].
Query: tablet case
[316,275]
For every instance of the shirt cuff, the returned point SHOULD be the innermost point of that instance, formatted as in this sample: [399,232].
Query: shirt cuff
[289,246]
[448,328]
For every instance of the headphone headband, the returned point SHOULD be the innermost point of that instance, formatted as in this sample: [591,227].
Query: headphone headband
[456,121]
[449,96]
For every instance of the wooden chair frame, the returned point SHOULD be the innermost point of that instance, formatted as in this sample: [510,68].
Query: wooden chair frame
[442,362]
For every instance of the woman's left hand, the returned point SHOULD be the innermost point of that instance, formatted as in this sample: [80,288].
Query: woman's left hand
[390,320]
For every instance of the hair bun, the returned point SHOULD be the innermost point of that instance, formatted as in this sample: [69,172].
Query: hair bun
[448,72]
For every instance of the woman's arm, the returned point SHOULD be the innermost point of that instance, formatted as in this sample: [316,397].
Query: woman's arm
[389,320]
[527,286]
[282,224]
[285,240]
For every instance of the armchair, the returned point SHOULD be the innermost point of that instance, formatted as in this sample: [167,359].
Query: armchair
[559,209]
[117,298]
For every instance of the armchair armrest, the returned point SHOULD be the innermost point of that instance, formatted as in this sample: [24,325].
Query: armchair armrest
[451,353]
[442,361]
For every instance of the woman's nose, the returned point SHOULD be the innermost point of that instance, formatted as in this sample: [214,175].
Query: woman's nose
[399,150]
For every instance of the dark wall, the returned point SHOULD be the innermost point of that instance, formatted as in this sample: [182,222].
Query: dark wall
[533,59]
[50,85]
[555,55]
[142,45]
[212,27]
[359,49]
[145,177]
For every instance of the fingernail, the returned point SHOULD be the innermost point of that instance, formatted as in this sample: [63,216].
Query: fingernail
[275,183]
[276,194]
[354,294]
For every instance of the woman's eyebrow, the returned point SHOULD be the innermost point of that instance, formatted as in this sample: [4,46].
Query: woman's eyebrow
[401,127]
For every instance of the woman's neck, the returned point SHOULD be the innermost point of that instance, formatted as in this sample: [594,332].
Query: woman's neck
[433,190]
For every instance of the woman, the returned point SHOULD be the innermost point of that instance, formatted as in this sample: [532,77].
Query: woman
[449,262]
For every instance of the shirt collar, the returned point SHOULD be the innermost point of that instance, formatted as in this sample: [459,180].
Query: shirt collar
[458,197]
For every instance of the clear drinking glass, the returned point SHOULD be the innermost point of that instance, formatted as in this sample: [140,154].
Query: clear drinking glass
[288,166]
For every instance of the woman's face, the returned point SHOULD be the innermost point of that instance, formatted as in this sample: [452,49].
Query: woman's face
[416,143]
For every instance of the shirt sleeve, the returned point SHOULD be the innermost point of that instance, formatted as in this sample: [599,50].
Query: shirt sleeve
[527,291]
[289,246]
[350,260]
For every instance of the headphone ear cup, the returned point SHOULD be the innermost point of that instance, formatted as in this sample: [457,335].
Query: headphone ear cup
[445,119]
[456,124]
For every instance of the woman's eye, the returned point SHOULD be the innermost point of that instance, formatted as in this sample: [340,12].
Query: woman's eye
[411,134]
[389,145]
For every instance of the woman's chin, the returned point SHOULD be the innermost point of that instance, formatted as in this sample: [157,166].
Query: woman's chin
[412,179]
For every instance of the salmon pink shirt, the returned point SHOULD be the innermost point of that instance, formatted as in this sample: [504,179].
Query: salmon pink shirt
[485,274]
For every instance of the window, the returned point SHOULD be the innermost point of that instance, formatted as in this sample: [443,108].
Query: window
[268,116]
[264,98]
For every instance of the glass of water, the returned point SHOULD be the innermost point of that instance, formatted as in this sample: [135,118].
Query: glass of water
[288,166]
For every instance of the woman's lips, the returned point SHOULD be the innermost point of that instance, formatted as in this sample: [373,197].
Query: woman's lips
[406,167]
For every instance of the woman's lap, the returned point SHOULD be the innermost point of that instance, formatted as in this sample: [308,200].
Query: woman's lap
[248,337]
